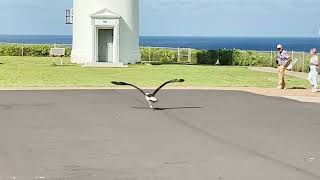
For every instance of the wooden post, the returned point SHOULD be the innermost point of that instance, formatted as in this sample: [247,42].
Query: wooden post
[178,54]
[149,53]
[303,61]
[189,55]
[22,50]
[271,58]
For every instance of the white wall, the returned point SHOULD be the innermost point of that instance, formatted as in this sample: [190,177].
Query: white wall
[129,28]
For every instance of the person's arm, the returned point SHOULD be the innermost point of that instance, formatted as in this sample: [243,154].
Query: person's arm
[287,56]
[314,62]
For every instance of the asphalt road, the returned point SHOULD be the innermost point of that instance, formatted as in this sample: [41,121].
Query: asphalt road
[196,135]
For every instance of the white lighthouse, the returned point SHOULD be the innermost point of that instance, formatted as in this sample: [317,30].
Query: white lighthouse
[105,33]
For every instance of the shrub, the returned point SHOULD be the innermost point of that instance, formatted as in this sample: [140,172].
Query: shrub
[10,50]
[234,57]
[166,56]
[27,50]
[251,58]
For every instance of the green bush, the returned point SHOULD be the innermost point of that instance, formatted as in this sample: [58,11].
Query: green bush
[207,57]
[10,50]
[303,64]
[39,50]
[159,54]
[251,58]
[27,50]
[166,56]
[234,57]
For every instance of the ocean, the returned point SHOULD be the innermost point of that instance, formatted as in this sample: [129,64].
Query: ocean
[209,43]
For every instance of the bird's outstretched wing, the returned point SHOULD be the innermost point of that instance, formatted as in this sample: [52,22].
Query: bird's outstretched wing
[127,84]
[168,82]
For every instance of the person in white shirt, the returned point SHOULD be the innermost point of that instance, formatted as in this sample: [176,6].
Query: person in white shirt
[314,70]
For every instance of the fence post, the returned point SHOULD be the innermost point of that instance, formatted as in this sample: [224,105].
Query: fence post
[303,61]
[22,49]
[218,61]
[149,53]
[189,55]
[178,54]
[271,58]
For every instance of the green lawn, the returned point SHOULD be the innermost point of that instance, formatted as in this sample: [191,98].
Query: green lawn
[38,72]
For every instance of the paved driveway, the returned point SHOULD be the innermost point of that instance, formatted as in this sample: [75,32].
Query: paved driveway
[110,134]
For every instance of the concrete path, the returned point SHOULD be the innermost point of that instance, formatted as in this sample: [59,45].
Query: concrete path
[195,134]
[301,75]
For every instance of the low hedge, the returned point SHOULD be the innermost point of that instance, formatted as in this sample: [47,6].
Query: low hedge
[225,57]
[170,56]
[28,50]
[234,57]
[209,57]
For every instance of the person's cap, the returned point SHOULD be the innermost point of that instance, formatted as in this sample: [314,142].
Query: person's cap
[279,46]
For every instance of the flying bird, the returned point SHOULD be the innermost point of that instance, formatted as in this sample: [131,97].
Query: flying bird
[150,97]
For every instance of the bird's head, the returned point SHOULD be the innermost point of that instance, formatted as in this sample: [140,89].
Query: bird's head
[148,94]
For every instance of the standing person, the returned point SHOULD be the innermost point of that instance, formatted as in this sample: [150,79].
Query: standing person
[283,59]
[314,68]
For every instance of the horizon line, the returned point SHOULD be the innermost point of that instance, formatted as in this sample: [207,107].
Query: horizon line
[198,36]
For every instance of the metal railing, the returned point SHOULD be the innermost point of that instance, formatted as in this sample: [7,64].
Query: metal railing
[166,53]
[300,59]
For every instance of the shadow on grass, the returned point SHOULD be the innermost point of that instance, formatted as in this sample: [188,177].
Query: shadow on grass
[297,88]
[164,109]
[61,66]
[155,63]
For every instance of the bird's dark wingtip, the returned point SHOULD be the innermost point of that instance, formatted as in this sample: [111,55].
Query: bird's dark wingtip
[181,80]
[118,83]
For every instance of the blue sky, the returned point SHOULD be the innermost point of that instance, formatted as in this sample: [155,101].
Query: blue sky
[178,17]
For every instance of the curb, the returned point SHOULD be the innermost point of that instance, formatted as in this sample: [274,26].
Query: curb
[298,95]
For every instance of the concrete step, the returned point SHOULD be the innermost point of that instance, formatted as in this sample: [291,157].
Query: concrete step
[104,65]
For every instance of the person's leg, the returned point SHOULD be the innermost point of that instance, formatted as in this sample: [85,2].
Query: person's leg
[279,78]
[283,78]
[315,81]
[313,78]
[282,82]
[310,79]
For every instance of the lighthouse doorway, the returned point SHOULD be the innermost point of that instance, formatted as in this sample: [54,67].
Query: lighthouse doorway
[105,45]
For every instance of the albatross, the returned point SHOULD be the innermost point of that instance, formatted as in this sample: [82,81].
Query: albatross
[150,97]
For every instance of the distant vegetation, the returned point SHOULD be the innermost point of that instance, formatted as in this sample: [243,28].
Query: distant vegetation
[170,56]
[27,50]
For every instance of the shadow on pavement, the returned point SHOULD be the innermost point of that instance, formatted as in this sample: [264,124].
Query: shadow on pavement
[171,108]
